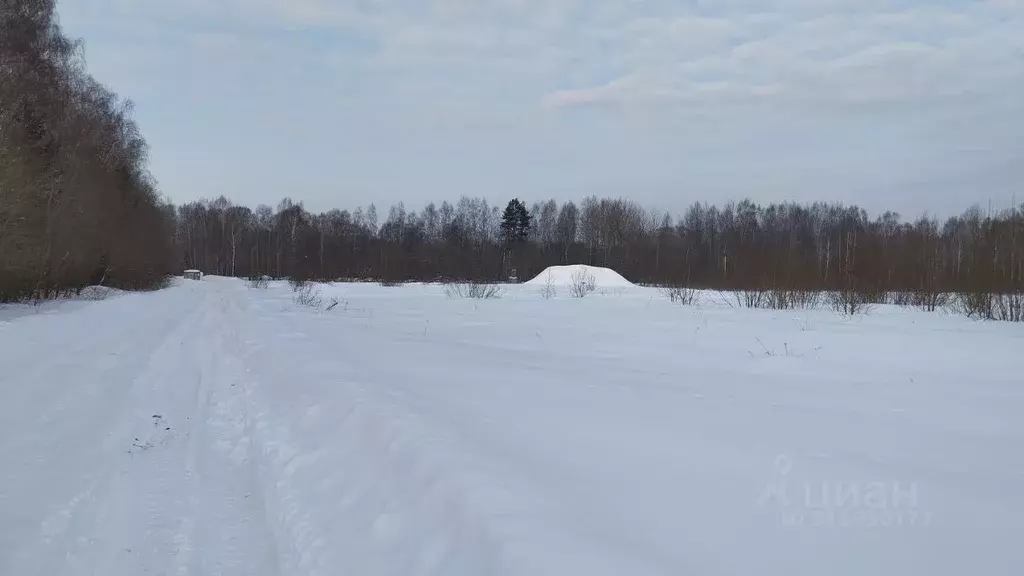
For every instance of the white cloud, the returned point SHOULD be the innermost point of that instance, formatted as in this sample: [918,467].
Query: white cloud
[587,51]
[865,56]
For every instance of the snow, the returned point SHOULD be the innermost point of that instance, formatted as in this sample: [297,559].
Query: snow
[566,275]
[212,428]
[66,302]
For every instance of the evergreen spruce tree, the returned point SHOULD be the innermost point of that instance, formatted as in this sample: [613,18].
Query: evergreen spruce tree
[515,222]
[525,222]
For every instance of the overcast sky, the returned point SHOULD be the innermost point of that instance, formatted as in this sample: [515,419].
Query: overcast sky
[909,105]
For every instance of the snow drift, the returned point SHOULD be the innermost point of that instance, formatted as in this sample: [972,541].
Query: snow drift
[563,276]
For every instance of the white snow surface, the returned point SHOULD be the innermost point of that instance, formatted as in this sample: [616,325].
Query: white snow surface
[566,275]
[214,429]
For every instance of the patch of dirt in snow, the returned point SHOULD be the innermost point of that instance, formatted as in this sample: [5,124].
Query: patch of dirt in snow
[161,435]
[564,276]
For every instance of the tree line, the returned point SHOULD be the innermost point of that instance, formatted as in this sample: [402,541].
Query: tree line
[77,205]
[738,246]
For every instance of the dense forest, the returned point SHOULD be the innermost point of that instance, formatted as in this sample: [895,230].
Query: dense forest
[78,207]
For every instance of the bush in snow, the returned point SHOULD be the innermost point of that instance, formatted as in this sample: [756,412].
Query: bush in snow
[684,295]
[751,298]
[548,291]
[973,305]
[1009,306]
[848,301]
[787,299]
[777,298]
[478,290]
[1005,306]
[901,298]
[929,300]
[307,295]
[582,283]
[260,282]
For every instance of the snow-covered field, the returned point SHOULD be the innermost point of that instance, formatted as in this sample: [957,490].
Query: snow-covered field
[216,429]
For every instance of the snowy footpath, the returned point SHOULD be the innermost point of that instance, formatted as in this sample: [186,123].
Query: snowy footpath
[216,429]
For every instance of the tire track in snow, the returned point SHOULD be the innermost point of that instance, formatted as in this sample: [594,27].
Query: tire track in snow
[161,492]
[234,512]
[283,521]
[126,518]
[371,486]
[73,429]
[410,485]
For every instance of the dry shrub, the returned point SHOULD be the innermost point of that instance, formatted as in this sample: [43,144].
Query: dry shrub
[872,295]
[982,305]
[307,295]
[751,298]
[1009,306]
[157,284]
[777,298]
[476,290]
[549,291]
[929,300]
[849,302]
[788,299]
[582,283]
[684,295]
[901,298]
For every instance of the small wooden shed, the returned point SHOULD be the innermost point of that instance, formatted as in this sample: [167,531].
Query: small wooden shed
[193,275]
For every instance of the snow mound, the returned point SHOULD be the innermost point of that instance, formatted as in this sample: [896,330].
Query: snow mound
[97,293]
[563,276]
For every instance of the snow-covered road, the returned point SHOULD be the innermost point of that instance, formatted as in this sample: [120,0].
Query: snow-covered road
[123,445]
[211,428]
